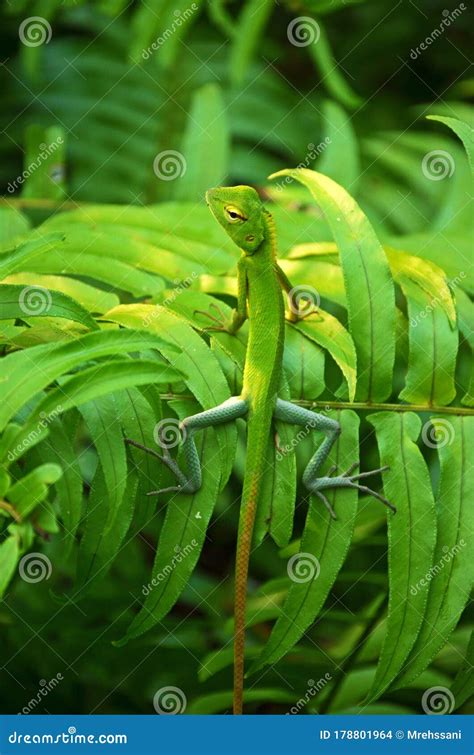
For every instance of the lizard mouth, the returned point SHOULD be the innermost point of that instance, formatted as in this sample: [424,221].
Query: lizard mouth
[209,194]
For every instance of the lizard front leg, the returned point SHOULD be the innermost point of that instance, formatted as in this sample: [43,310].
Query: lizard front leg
[240,313]
[294,296]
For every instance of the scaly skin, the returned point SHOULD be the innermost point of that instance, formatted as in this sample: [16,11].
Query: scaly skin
[260,298]
[262,375]
[240,212]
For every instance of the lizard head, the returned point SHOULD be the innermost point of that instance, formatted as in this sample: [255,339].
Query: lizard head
[239,210]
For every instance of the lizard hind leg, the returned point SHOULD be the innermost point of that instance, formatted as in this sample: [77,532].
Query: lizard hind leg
[189,480]
[298,415]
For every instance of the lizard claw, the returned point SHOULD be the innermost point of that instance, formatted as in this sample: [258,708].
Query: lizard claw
[171,489]
[185,487]
[167,460]
[296,316]
[323,498]
[353,466]
[276,440]
[147,450]
[311,310]
[348,480]
[364,474]
[219,320]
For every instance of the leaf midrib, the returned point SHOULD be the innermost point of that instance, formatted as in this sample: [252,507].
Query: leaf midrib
[380,685]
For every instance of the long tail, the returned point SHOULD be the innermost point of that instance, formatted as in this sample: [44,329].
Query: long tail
[257,439]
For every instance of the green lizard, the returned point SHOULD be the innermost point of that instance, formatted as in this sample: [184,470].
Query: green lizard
[241,213]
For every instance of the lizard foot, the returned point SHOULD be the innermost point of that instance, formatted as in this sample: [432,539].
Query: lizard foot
[276,440]
[298,314]
[298,318]
[166,458]
[347,480]
[303,314]
[219,320]
[187,487]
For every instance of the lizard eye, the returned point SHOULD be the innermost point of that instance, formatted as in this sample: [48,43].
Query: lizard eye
[234,215]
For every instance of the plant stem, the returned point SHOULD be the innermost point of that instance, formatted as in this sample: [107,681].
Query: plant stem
[456,410]
[361,406]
